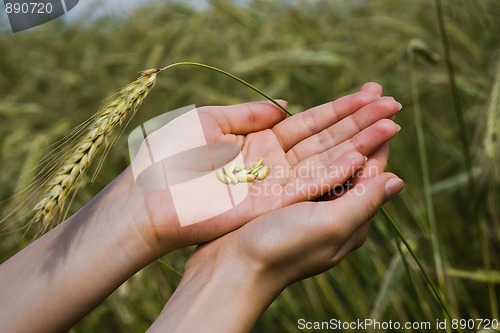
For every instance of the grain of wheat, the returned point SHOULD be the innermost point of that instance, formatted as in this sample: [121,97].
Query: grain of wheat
[126,103]
[234,174]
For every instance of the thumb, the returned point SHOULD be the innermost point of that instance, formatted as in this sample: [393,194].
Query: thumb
[361,203]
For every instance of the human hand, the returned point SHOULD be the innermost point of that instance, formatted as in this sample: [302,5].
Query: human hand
[308,238]
[309,154]
[238,275]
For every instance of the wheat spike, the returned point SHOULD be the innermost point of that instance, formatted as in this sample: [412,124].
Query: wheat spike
[126,103]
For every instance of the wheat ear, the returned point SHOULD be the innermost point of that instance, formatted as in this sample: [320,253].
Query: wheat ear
[126,103]
[77,161]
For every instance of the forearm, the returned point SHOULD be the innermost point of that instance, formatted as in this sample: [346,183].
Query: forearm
[217,296]
[60,277]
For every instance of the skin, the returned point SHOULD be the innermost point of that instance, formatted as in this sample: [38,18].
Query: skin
[337,135]
[251,253]
[230,281]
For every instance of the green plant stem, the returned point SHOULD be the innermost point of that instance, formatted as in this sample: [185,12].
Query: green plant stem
[427,278]
[406,266]
[189,63]
[485,247]
[424,166]
[455,95]
[169,267]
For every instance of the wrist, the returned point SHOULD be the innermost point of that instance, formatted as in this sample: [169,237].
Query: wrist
[139,211]
[77,264]
[218,293]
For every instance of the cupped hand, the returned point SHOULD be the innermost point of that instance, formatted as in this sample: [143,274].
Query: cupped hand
[309,154]
[307,238]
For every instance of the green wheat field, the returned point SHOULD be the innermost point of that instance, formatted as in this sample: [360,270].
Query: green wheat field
[440,59]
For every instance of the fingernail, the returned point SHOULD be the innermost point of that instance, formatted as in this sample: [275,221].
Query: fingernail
[400,106]
[398,127]
[366,158]
[392,187]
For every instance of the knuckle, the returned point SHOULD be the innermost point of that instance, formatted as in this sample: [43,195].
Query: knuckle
[364,97]
[372,207]
[324,140]
[309,122]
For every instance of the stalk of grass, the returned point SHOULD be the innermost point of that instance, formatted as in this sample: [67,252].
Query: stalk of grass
[492,135]
[169,267]
[455,94]
[492,177]
[424,166]
[482,275]
[428,279]
[234,77]
[485,244]
[392,276]
[406,266]
[490,145]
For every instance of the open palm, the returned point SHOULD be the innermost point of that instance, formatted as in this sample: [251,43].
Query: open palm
[309,154]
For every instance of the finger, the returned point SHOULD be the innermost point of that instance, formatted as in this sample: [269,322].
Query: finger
[374,166]
[372,87]
[359,205]
[320,174]
[247,117]
[359,237]
[365,142]
[385,107]
[301,126]
[356,240]
[376,163]
[369,140]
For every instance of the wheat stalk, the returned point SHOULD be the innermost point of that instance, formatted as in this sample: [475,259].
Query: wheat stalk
[77,162]
[492,136]
[126,103]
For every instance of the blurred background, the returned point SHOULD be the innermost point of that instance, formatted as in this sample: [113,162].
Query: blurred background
[55,76]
